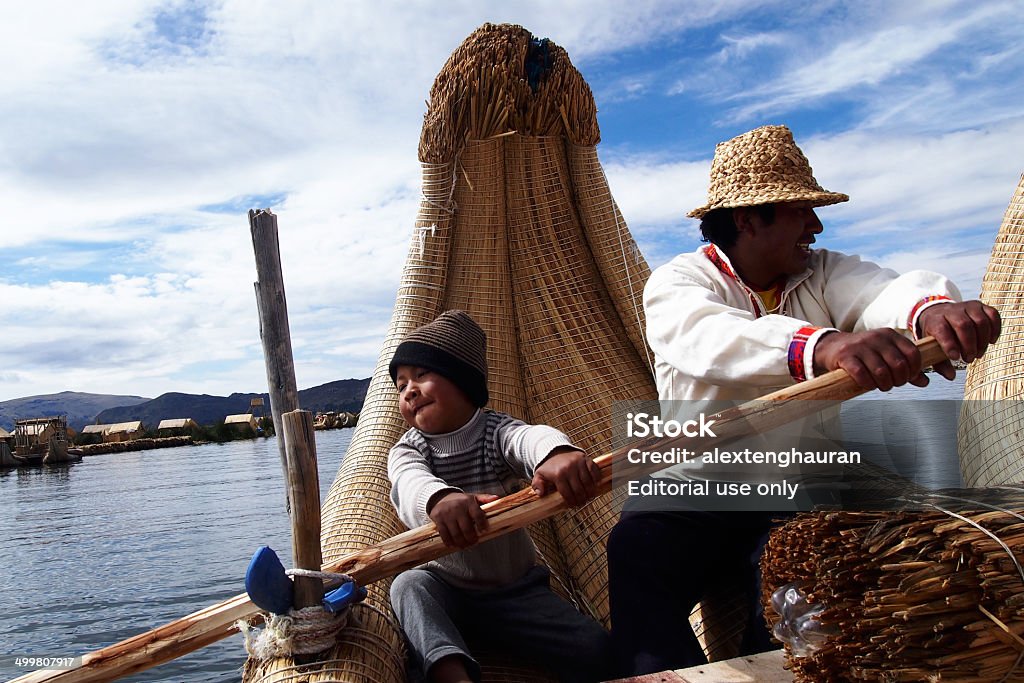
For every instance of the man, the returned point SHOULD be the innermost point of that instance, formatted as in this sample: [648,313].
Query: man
[755,310]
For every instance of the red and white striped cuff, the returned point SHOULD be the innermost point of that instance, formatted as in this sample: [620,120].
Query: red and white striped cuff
[921,306]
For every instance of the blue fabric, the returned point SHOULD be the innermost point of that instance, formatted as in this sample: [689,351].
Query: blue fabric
[538,61]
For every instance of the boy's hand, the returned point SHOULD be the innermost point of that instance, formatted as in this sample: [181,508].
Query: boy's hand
[571,473]
[459,519]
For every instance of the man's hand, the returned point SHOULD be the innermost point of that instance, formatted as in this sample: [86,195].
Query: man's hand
[963,330]
[458,517]
[571,473]
[876,359]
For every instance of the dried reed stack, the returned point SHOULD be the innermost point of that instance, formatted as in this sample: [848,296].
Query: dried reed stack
[517,226]
[991,424]
[930,592]
[503,80]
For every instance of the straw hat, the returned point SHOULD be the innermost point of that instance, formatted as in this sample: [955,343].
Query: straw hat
[763,166]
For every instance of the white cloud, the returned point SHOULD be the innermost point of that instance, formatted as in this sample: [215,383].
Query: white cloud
[653,193]
[942,183]
[872,55]
[120,128]
[964,268]
[742,46]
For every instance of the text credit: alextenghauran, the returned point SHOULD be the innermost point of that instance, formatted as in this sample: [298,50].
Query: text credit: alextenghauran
[763,464]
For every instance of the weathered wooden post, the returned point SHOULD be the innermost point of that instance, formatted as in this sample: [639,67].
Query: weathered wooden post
[294,427]
[274,333]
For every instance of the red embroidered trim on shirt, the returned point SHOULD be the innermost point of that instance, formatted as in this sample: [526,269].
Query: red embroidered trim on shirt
[917,307]
[712,254]
[797,347]
[719,262]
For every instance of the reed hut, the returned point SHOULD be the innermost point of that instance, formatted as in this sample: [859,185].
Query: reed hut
[518,227]
[176,427]
[96,429]
[95,433]
[124,431]
[246,422]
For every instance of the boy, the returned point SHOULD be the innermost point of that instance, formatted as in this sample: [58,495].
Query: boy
[454,458]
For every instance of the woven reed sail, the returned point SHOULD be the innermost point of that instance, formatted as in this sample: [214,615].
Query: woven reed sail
[931,592]
[517,226]
[991,426]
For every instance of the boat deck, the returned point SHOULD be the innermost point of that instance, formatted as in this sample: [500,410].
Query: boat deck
[763,668]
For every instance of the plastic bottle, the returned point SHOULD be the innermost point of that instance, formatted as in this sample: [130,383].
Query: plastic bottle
[800,627]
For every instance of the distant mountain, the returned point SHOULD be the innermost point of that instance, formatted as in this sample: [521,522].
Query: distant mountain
[343,394]
[81,408]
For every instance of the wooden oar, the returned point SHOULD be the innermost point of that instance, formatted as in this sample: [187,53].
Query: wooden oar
[420,545]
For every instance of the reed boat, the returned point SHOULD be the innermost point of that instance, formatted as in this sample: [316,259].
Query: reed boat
[37,441]
[517,226]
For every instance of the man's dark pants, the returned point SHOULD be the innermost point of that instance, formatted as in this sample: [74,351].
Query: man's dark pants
[662,563]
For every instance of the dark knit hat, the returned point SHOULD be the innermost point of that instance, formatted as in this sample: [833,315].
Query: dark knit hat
[452,345]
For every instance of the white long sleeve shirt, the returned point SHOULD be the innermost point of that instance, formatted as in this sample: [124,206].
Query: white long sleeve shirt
[713,339]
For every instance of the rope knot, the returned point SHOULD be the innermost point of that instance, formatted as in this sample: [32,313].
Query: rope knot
[305,631]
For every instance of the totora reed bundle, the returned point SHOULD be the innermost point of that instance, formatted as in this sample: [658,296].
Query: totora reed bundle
[933,591]
[992,416]
[518,227]
[502,80]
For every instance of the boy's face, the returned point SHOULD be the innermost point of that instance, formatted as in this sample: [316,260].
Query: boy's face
[431,402]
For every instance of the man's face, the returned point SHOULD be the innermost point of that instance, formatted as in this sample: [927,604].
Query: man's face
[783,248]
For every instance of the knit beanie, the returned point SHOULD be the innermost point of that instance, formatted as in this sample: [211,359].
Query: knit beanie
[452,345]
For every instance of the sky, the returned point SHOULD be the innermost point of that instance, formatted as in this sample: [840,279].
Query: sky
[136,136]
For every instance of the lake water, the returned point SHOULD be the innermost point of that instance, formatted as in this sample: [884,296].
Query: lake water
[98,551]
[95,552]
[910,430]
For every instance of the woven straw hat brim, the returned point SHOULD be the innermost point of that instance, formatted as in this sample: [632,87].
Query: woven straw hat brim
[762,166]
[816,198]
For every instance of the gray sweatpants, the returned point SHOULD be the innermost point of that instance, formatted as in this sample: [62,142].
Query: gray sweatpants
[524,619]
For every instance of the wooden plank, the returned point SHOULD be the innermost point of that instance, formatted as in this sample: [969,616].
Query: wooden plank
[767,667]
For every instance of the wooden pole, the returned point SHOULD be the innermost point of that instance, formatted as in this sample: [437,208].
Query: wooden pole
[423,544]
[304,493]
[294,427]
[273,310]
